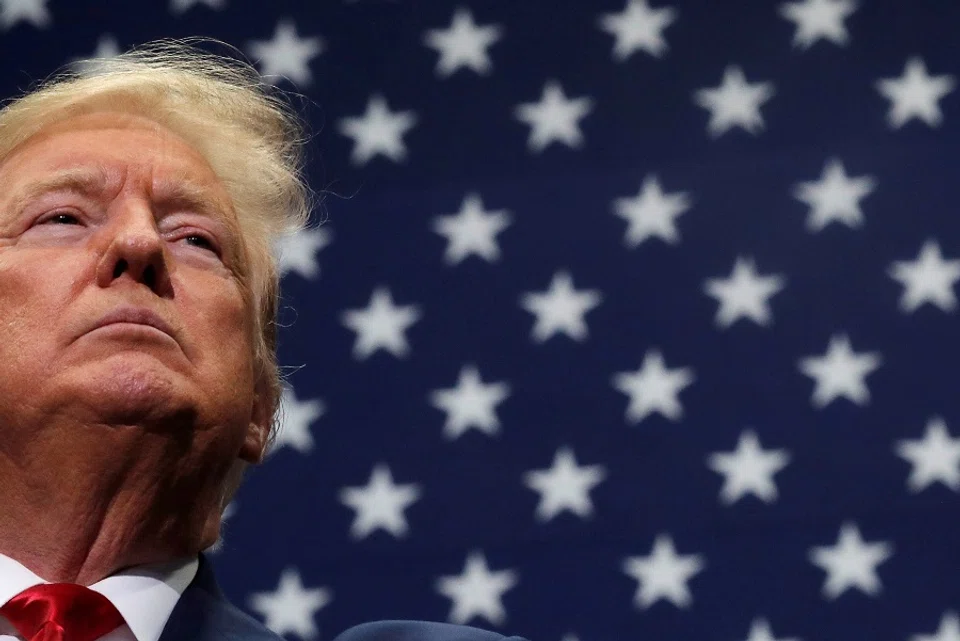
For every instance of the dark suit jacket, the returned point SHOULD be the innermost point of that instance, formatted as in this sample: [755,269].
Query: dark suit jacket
[204,614]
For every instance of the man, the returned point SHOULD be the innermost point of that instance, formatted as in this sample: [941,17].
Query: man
[138,374]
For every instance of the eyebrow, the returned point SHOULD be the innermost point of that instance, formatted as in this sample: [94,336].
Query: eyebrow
[91,181]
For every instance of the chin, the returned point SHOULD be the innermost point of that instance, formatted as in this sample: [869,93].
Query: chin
[126,393]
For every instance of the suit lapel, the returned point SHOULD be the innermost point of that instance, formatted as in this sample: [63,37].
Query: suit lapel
[203,613]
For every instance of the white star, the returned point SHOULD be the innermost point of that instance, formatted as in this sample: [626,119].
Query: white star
[564,486]
[287,55]
[291,608]
[744,294]
[380,504]
[935,457]
[638,27]
[472,230]
[554,118]
[651,213]
[477,591]
[915,94]
[760,631]
[835,197]
[840,372]
[463,44]
[107,47]
[378,131]
[653,388]
[817,19]
[470,404]
[663,575]
[928,279]
[949,629]
[297,417]
[180,6]
[734,102]
[749,468]
[381,325]
[297,252]
[851,563]
[34,11]
[561,308]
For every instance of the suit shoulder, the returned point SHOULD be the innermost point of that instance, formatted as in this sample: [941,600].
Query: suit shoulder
[418,631]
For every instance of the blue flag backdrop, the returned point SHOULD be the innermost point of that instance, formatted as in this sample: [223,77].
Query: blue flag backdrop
[628,320]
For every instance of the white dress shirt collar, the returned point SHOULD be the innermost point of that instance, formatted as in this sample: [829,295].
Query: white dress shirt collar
[145,595]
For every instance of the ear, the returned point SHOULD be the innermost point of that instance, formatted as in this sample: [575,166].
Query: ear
[254,445]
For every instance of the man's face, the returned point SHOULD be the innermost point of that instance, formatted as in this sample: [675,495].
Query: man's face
[68,256]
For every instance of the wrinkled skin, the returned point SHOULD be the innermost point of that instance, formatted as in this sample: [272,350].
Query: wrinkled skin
[114,443]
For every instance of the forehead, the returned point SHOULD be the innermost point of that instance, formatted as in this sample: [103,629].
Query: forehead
[108,137]
[100,150]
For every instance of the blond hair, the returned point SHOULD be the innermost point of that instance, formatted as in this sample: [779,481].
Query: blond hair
[253,139]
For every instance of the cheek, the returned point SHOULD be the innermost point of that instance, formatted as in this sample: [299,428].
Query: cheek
[223,331]
[34,314]
[225,372]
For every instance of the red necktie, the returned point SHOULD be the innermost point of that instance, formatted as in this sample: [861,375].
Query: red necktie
[61,612]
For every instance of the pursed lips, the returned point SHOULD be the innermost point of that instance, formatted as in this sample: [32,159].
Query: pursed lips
[138,315]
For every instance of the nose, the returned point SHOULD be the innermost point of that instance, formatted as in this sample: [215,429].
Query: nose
[135,249]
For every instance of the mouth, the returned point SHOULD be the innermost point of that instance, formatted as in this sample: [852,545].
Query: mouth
[141,316]
[138,330]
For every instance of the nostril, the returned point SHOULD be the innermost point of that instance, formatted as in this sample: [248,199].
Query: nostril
[149,276]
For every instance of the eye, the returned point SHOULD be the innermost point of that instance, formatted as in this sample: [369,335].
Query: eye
[208,243]
[55,216]
[205,242]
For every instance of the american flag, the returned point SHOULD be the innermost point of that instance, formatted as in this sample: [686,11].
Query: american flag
[626,319]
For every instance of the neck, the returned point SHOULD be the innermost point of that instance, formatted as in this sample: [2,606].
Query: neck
[113,499]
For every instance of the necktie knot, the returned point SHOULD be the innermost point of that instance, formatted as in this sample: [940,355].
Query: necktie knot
[61,612]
